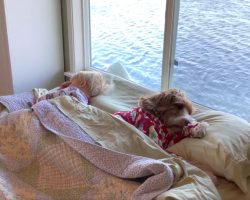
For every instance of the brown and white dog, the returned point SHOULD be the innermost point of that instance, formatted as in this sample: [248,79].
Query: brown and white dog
[172,107]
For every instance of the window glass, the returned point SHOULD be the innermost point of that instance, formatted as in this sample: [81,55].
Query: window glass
[129,32]
[213,53]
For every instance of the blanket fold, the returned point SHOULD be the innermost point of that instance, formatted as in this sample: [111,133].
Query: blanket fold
[17,101]
[117,135]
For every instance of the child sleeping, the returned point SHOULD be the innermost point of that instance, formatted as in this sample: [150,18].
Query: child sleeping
[83,86]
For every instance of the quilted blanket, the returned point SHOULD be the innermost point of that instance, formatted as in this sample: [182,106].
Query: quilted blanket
[61,149]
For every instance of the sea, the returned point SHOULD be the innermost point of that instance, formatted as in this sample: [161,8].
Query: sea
[212,47]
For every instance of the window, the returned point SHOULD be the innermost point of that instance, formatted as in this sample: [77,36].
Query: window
[213,53]
[129,33]
[211,45]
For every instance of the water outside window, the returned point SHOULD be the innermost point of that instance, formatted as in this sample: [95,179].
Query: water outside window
[129,32]
[213,53]
[213,47]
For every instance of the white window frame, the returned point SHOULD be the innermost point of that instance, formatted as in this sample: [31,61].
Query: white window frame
[169,44]
[79,37]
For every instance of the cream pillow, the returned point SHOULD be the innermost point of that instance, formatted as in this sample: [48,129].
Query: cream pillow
[225,148]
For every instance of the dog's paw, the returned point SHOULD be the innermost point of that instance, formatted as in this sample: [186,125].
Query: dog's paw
[199,130]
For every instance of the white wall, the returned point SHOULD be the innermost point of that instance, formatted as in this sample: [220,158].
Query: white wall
[35,43]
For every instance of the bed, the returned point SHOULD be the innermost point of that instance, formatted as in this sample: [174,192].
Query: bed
[61,149]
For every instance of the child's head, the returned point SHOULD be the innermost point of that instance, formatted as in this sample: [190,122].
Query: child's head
[91,82]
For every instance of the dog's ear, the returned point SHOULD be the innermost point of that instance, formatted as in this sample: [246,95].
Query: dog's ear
[147,104]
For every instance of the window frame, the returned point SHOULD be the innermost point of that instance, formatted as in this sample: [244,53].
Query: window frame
[78,38]
[76,27]
[76,23]
[169,43]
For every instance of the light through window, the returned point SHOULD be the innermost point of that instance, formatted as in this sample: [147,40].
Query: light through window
[129,33]
[212,48]
[213,53]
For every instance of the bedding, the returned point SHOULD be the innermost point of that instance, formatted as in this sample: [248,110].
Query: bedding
[23,146]
[189,182]
[45,155]
[36,164]
[55,159]
[225,148]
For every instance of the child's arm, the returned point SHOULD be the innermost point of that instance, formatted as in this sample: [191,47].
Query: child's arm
[65,84]
[75,92]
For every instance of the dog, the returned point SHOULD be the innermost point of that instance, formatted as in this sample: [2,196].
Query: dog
[172,107]
[165,117]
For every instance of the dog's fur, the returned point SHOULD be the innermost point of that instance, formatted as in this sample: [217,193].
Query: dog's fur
[172,107]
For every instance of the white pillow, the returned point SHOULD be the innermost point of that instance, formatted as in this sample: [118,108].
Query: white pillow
[225,148]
